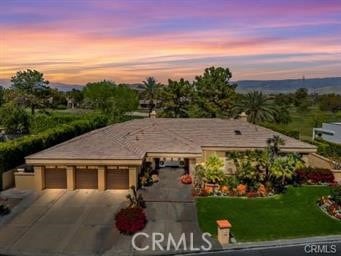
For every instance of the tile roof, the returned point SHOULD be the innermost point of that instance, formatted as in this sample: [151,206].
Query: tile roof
[133,139]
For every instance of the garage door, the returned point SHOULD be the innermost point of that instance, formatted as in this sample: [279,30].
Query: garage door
[117,179]
[86,178]
[55,178]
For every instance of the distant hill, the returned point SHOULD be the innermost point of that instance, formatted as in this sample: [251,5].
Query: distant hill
[60,86]
[319,85]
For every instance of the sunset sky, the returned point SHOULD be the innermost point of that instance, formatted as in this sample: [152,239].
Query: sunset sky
[77,41]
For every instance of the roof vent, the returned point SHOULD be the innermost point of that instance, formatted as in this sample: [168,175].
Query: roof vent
[237,132]
[152,114]
[242,116]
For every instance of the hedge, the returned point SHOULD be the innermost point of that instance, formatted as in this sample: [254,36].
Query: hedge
[291,133]
[327,149]
[12,153]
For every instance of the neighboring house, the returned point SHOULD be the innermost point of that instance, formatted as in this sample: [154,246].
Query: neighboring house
[112,157]
[144,104]
[329,131]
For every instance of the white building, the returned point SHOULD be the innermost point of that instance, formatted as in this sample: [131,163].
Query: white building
[329,131]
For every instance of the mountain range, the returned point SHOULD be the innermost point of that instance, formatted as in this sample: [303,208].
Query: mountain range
[314,85]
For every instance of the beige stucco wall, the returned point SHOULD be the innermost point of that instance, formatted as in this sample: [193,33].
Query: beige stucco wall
[133,176]
[70,177]
[24,180]
[39,177]
[101,178]
[337,175]
[207,153]
[8,179]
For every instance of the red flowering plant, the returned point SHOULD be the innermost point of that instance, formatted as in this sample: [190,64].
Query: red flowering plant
[130,220]
[186,179]
[314,175]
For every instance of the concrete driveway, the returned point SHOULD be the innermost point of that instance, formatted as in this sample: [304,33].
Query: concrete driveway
[171,211]
[81,222]
[66,223]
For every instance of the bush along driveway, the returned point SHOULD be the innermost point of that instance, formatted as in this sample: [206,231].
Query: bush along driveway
[290,215]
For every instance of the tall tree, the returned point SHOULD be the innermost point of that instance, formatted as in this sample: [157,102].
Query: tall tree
[214,94]
[257,106]
[14,118]
[99,95]
[76,96]
[151,87]
[175,98]
[301,99]
[124,100]
[112,100]
[31,87]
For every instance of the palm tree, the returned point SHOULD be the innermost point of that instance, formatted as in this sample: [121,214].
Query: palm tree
[151,87]
[257,106]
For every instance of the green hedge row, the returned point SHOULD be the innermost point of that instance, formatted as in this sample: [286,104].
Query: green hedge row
[327,149]
[12,153]
[291,133]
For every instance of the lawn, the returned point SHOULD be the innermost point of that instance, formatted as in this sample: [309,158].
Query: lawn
[305,121]
[290,215]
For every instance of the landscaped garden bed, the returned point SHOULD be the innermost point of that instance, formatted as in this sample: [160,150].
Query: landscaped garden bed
[331,204]
[289,215]
[258,173]
[271,195]
[132,219]
[148,176]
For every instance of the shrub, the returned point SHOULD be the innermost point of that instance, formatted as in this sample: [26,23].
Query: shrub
[327,149]
[314,175]
[213,170]
[261,190]
[241,189]
[336,194]
[12,153]
[15,119]
[130,220]
[186,179]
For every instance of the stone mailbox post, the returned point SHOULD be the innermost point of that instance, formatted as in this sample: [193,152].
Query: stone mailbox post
[224,232]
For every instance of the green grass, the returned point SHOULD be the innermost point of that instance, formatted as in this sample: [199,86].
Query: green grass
[290,215]
[305,121]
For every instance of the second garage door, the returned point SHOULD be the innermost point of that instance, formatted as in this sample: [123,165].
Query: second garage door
[86,178]
[117,179]
[55,178]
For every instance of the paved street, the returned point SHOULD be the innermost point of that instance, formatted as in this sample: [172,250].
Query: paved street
[289,250]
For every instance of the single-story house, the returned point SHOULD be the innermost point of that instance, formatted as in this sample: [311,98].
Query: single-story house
[112,157]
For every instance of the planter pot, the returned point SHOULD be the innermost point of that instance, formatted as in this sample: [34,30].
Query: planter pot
[210,187]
